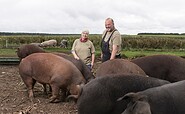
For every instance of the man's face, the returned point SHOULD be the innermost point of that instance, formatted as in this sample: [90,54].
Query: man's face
[109,25]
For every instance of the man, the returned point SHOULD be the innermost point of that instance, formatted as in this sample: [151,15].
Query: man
[111,42]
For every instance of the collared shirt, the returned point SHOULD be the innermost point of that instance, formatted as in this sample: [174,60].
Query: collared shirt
[83,50]
[115,40]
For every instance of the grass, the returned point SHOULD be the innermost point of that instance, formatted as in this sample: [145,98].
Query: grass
[8,52]
[127,53]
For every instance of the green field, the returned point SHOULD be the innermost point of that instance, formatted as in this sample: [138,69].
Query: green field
[125,53]
[133,45]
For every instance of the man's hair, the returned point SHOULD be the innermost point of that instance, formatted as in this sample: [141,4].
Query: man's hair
[111,20]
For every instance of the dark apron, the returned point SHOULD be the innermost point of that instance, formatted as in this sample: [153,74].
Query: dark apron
[105,47]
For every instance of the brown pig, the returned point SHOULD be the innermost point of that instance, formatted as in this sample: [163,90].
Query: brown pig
[27,49]
[118,66]
[47,68]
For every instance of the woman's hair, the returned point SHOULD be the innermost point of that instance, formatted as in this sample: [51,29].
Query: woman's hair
[87,31]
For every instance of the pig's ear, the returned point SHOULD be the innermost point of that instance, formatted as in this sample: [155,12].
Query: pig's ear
[127,96]
[133,97]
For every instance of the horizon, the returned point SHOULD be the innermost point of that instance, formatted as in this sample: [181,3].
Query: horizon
[145,33]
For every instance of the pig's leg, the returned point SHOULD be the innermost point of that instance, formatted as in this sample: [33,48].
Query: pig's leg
[57,83]
[55,93]
[29,82]
[45,89]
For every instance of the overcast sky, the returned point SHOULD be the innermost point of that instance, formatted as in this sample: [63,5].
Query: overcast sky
[72,16]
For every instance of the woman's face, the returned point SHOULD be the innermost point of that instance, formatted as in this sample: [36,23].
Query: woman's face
[84,34]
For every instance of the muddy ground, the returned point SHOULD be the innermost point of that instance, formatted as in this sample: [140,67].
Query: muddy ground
[14,98]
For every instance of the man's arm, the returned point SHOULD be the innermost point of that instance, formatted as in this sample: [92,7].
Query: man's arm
[114,51]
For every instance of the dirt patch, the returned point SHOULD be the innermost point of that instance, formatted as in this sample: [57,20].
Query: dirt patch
[14,98]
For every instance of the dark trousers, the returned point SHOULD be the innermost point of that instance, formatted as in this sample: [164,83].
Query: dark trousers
[107,57]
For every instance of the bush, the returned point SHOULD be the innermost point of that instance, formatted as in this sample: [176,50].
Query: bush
[129,42]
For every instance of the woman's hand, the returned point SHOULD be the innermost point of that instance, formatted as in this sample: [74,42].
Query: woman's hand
[76,57]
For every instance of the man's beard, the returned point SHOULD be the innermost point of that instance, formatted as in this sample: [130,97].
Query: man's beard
[109,29]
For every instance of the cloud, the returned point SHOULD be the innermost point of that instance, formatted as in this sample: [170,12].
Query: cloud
[71,16]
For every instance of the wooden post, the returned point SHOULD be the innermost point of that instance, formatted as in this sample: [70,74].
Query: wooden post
[6,43]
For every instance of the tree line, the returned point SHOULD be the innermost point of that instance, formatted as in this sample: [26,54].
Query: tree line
[161,34]
[19,33]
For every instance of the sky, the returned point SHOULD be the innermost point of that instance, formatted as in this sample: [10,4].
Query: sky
[73,16]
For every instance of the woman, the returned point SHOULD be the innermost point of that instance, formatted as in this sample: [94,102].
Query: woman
[84,49]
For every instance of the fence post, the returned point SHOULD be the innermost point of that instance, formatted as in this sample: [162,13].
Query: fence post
[6,43]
